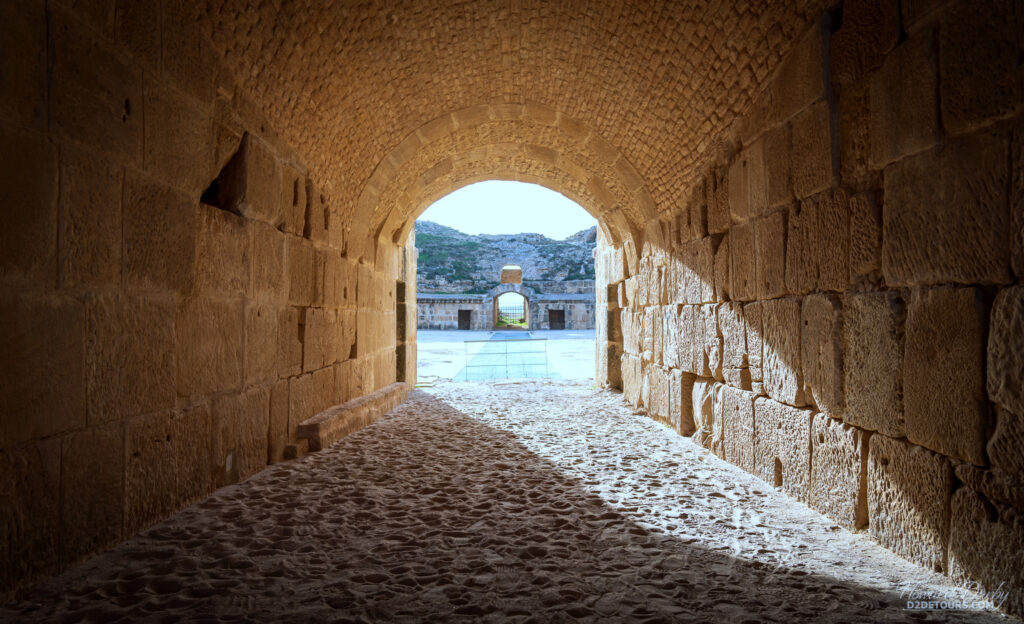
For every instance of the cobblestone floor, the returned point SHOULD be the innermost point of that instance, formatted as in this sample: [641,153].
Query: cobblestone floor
[534,501]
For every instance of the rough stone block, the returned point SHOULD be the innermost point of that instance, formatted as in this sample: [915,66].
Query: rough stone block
[904,119]
[178,144]
[982,78]
[1006,350]
[801,77]
[738,427]
[754,333]
[96,96]
[813,165]
[223,253]
[151,479]
[23,64]
[317,215]
[821,354]
[717,186]
[948,228]
[743,272]
[29,535]
[300,271]
[712,340]
[293,201]
[908,490]
[870,29]
[708,404]
[319,347]
[986,543]
[324,388]
[657,406]
[129,352]
[261,342]
[782,447]
[832,241]
[188,61]
[865,236]
[1006,448]
[944,403]
[631,379]
[680,401]
[801,252]
[209,346]
[722,261]
[43,368]
[159,235]
[839,461]
[748,184]
[240,425]
[783,379]
[90,233]
[670,336]
[278,434]
[732,328]
[1017,204]
[268,281]
[770,254]
[777,166]
[873,357]
[854,130]
[92,473]
[290,333]
[28,240]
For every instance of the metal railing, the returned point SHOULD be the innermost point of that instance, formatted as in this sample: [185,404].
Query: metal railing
[514,358]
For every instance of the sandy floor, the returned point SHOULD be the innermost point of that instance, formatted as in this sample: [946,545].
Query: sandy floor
[501,502]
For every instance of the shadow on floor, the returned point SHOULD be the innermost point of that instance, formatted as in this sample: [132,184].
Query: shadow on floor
[430,516]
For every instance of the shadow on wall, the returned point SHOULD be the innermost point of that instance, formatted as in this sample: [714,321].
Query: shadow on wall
[346,535]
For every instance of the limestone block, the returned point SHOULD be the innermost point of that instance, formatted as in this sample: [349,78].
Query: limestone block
[348,380]
[712,339]
[240,425]
[821,354]
[777,166]
[748,184]
[904,116]
[801,77]
[732,327]
[718,200]
[782,455]
[346,283]
[178,144]
[29,535]
[138,31]
[783,379]
[986,546]
[92,471]
[657,333]
[300,271]
[209,346]
[737,377]
[317,215]
[268,279]
[754,332]
[743,272]
[192,456]
[832,241]
[290,333]
[43,368]
[944,399]
[813,165]
[293,200]
[1017,204]
[689,345]
[870,29]
[261,342]
[90,232]
[873,356]
[188,61]
[23,66]
[950,228]
[321,279]
[647,335]
[670,332]
[770,255]
[160,227]
[28,240]
[865,236]
[631,331]
[707,415]
[96,96]
[631,289]
[700,279]
[631,379]
[129,354]
[722,261]
[738,427]
[854,130]
[511,274]
[1006,448]
[981,80]
[908,490]
[680,401]
[324,388]
[801,252]
[658,401]
[151,479]
[839,460]
[223,254]
[614,356]
[1006,350]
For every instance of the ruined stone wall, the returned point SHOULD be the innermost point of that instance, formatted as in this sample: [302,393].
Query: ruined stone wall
[838,307]
[156,346]
[444,314]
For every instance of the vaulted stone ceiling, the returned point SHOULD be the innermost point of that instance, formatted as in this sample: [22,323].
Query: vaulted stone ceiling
[613,94]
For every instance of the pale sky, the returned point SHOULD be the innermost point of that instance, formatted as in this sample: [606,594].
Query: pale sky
[500,207]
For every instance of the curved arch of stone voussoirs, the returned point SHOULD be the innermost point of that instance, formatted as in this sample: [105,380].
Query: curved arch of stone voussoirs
[529,143]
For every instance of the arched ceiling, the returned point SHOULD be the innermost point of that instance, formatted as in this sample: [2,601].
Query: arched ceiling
[393,102]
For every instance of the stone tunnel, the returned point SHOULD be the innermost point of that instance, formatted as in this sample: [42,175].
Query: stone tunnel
[811,243]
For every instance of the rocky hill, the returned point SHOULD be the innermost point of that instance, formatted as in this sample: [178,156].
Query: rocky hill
[453,262]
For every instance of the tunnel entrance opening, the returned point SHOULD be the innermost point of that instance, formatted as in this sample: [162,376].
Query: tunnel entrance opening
[511,311]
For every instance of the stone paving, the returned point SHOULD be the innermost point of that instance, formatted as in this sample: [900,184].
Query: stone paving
[514,501]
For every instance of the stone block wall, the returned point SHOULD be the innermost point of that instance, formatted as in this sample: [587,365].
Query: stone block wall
[175,295]
[839,305]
